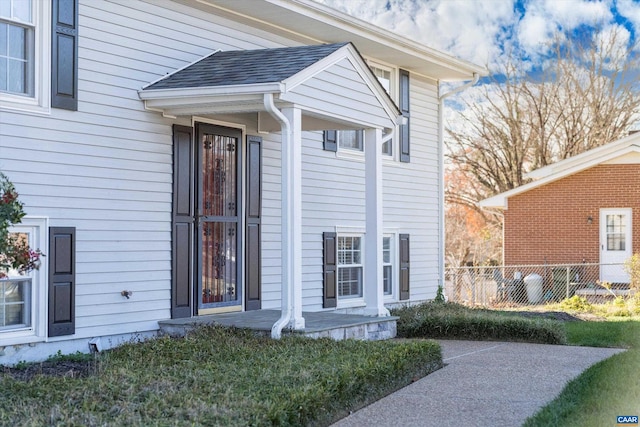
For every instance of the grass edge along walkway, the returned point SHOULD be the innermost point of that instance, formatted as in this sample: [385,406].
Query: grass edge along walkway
[607,389]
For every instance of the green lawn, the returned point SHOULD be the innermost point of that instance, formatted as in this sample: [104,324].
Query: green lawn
[607,389]
[596,397]
[220,377]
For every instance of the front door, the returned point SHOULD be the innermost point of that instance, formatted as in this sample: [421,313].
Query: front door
[615,244]
[218,219]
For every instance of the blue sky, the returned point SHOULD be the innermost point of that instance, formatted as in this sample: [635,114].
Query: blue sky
[487,31]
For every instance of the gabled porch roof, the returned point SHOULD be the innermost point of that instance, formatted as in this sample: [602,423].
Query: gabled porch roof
[236,82]
[291,90]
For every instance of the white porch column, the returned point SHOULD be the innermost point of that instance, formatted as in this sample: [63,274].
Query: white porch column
[292,213]
[373,286]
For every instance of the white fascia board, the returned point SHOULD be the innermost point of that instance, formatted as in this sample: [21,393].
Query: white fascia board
[589,158]
[198,92]
[351,54]
[567,167]
[204,109]
[498,201]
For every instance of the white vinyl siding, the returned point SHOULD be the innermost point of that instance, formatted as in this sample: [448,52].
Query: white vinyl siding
[106,169]
[338,86]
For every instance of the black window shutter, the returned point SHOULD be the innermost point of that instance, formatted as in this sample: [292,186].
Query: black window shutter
[253,239]
[331,140]
[404,109]
[404,266]
[183,222]
[64,54]
[330,285]
[62,281]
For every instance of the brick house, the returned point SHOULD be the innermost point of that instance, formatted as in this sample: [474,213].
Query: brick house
[584,209]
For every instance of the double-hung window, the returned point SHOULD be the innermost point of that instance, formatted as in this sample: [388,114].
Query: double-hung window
[350,277]
[17,31]
[24,66]
[387,265]
[22,297]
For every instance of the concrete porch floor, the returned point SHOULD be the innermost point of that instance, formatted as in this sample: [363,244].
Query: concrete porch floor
[318,324]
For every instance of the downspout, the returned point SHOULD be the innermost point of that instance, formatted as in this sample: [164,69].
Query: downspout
[287,295]
[441,99]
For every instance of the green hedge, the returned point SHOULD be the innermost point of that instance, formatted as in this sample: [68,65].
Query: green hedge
[454,321]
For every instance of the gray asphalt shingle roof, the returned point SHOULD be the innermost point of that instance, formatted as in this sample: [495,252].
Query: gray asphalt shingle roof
[243,67]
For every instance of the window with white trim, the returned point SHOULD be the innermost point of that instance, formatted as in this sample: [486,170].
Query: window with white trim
[387,264]
[24,45]
[15,302]
[350,140]
[22,297]
[16,47]
[350,267]
[385,76]
[353,140]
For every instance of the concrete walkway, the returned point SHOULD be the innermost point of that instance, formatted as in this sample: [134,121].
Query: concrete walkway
[483,384]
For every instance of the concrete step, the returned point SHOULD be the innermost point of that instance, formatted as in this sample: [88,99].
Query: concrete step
[322,324]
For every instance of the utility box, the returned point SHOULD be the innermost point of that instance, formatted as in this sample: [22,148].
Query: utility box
[562,277]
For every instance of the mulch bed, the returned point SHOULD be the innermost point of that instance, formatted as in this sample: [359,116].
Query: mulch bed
[64,368]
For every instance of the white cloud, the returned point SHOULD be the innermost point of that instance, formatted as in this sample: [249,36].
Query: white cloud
[487,31]
[471,30]
[630,9]
[542,21]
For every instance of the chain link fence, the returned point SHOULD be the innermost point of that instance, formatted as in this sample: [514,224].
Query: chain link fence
[516,285]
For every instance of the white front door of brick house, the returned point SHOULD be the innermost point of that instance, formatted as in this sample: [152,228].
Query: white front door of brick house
[615,244]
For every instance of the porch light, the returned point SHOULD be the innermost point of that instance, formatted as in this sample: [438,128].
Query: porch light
[589,220]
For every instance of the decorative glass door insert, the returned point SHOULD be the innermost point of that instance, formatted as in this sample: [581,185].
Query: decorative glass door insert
[218,217]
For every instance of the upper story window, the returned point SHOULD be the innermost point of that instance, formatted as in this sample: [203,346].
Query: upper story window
[16,47]
[24,64]
[353,140]
[386,77]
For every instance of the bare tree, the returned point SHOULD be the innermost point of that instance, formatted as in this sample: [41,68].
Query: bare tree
[586,95]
